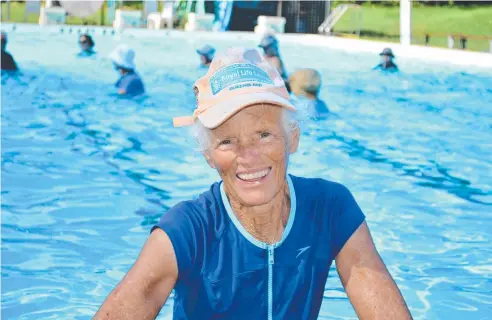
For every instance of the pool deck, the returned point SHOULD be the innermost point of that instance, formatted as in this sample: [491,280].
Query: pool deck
[441,55]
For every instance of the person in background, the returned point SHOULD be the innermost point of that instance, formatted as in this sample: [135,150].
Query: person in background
[129,83]
[206,54]
[387,63]
[305,85]
[86,44]
[7,62]
[271,53]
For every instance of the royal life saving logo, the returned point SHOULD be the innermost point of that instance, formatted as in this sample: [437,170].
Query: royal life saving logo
[239,75]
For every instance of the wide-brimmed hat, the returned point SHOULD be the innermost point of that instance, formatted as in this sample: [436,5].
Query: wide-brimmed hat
[387,52]
[236,79]
[123,56]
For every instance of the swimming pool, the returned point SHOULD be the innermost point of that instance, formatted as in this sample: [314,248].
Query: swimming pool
[85,175]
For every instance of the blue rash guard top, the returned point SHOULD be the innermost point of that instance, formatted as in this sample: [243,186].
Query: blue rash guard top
[131,83]
[389,66]
[224,272]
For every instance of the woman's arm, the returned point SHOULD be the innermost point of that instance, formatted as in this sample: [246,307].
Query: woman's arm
[368,284]
[146,287]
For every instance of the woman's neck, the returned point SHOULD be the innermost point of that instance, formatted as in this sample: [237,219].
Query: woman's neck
[265,222]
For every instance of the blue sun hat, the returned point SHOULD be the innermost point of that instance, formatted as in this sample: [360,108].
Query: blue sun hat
[207,51]
[123,56]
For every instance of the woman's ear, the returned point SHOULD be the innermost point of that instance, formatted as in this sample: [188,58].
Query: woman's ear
[294,140]
[209,159]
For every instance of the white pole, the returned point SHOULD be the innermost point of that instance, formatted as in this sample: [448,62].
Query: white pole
[405,22]
[327,9]
[8,10]
[279,8]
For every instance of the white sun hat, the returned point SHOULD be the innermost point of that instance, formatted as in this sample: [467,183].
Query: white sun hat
[123,56]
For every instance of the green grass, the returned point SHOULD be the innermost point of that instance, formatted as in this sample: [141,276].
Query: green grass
[383,23]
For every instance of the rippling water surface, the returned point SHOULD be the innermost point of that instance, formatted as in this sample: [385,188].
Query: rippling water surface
[85,174]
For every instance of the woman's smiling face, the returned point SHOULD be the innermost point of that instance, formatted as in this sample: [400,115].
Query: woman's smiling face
[250,151]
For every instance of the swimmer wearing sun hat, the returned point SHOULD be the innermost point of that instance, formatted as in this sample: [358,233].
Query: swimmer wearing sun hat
[129,83]
[387,64]
[258,243]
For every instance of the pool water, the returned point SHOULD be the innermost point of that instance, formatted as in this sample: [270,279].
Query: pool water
[86,174]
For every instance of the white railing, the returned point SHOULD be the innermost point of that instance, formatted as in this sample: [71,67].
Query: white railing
[335,16]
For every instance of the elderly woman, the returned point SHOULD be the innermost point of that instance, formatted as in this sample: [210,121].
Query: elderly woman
[258,244]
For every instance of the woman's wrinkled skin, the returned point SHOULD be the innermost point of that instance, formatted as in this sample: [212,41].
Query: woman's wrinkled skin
[254,141]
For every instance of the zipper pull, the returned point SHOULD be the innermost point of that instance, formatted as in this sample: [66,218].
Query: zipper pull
[270,255]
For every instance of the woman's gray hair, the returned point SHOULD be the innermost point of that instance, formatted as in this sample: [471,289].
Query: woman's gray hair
[201,134]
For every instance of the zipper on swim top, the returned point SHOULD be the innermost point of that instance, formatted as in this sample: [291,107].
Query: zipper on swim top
[271,261]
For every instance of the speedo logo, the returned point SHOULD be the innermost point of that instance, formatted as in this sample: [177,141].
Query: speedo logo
[302,250]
